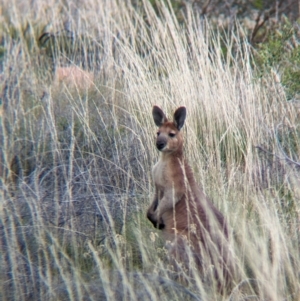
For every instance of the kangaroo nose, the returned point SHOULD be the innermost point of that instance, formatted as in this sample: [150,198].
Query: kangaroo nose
[160,145]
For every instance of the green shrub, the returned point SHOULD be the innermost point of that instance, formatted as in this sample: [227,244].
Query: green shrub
[280,53]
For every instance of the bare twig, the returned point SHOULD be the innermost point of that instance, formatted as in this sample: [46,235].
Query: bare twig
[286,158]
[267,14]
[205,7]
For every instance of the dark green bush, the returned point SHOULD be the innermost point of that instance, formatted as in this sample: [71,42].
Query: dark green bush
[280,53]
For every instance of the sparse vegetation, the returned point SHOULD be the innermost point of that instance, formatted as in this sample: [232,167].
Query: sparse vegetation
[75,160]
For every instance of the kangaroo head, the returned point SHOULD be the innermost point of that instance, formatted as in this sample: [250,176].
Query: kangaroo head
[169,137]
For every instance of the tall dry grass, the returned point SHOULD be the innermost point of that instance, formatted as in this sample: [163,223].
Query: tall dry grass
[76,160]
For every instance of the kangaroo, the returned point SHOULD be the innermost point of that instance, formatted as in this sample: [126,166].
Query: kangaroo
[181,209]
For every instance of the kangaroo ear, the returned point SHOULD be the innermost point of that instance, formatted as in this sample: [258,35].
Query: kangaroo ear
[158,116]
[179,117]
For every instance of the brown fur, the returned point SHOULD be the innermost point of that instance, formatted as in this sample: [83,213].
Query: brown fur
[74,77]
[180,208]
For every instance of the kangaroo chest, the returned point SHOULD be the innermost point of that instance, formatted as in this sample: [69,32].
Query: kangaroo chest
[160,173]
[162,177]
[166,174]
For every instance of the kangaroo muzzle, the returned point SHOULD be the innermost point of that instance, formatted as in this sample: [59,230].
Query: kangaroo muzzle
[161,144]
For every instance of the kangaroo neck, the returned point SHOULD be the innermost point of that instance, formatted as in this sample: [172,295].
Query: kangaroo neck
[171,155]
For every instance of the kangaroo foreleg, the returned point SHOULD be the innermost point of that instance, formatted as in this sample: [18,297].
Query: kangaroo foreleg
[152,214]
[167,203]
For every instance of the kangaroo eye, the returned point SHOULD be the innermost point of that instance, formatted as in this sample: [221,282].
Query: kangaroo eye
[157,133]
[172,135]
